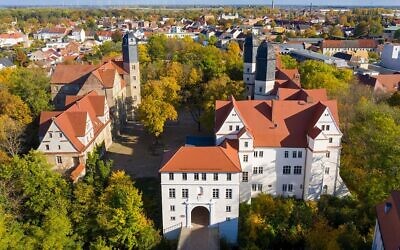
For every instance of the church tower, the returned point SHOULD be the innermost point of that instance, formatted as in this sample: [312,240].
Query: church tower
[249,66]
[265,71]
[131,66]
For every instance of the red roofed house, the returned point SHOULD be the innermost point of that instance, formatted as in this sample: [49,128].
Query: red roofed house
[11,39]
[330,47]
[382,83]
[288,145]
[66,137]
[119,81]
[52,34]
[387,228]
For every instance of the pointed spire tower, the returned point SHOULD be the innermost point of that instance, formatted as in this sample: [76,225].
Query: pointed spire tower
[265,71]
[131,66]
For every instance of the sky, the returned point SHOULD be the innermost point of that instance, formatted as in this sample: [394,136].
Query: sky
[200,2]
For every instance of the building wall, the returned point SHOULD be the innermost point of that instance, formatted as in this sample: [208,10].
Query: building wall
[201,194]
[262,89]
[377,244]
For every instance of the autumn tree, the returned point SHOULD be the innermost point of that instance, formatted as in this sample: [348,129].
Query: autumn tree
[158,104]
[288,62]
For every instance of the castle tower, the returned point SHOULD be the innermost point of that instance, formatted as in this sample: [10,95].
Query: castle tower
[265,71]
[249,66]
[131,65]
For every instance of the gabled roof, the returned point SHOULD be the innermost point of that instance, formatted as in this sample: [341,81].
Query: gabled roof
[359,43]
[214,159]
[278,123]
[72,121]
[66,74]
[388,216]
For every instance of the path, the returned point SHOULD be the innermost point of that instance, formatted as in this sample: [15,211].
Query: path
[199,238]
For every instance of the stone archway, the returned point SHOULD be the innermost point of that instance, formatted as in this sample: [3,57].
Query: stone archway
[200,217]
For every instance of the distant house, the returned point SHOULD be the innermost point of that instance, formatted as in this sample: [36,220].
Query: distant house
[104,35]
[53,34]
[11,39]
[329,47]
[387,227]
[390,57]
[78,34]
[6,63]
[388,33]
[382,83]
[67,137]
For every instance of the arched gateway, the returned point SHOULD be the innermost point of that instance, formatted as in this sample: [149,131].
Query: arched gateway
[200,217]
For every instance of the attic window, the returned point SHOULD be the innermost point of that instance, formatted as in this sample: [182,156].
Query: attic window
[60,134]
[233,114]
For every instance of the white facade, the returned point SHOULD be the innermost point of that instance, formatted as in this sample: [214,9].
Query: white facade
[377,244]
[181,196]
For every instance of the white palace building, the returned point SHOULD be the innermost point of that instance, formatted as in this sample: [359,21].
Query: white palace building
[284,142]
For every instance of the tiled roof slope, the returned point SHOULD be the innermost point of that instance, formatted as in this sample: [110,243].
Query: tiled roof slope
[72,121]
[360,43]
[277,123]
[66,74]
[203,159]
[388,216]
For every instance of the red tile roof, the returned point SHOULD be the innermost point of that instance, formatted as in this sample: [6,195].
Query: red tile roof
[360,43]
[11,35]
[389,221]
[277,123]
[72,121]
[202,159]
[66,74]
[77,172]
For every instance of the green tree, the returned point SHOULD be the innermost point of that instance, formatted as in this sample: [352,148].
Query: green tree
[288,62]
[336,31]
[361,29]
[397,34]
[121,218]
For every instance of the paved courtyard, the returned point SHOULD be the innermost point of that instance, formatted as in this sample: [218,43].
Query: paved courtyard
[134,150]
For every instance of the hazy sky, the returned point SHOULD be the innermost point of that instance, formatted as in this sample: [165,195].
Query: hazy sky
[217,2]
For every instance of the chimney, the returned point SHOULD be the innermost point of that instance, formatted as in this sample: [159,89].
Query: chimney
[388,206]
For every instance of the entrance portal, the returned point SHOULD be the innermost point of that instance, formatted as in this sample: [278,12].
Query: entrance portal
[200,217]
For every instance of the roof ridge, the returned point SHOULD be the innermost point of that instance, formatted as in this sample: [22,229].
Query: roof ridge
[224,152]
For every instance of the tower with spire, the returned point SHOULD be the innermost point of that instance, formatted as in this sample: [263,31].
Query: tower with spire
[131,66]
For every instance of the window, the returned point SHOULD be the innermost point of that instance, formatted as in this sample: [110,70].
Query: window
[261,154]
[171,176]
[254,187]
[237,127]
[184,176]
[172,193]
[60,134]
[59,159]
[228,218]
[215,176]
[260,170]
[327,127]
[59,147]
[173,218]
[323,127]
[228,176]
[47,147]
[51,135]
[233,114]
[246,144]
[255,154]
[228,194]
[245,177]
[255,170]
[284,187]
[290,187]
[326,170]
[286,154]
[185,193]
[301,186]
[325,189]
[330,139]
[172,208]
[230,127]
[245,158]
[328,154]
[259,187]
[196,176]
[297,170]
[215,193]
[294,153]
[204,176]
[286,169]
[299,154]
[228,209]
[248,70]
[260,89]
